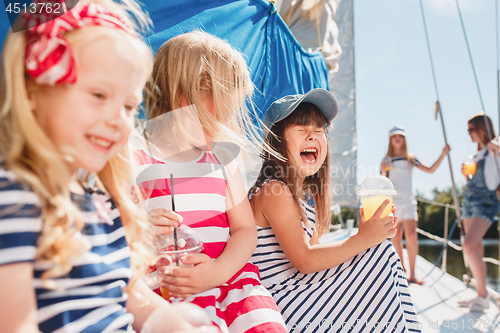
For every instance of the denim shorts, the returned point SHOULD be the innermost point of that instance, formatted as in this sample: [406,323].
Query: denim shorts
[480,204]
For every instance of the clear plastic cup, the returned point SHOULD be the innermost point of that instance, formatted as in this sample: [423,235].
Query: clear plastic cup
[168,256]
[373,192]
[388,163]
[469,167]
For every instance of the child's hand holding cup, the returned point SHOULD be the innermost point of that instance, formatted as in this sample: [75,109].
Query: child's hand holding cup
[373,192]
[377,222]
[171,247]
[386,165]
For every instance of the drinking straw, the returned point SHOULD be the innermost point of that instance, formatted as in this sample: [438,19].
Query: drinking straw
[173,209]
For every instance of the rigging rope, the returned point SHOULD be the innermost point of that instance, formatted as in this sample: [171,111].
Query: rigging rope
[447,241]
[472,65]
[429,49]
[438,111]
[490,136]
[453,246]
[440,239]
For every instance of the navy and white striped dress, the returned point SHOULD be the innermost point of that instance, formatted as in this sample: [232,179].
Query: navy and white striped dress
[367,293]
[93,299]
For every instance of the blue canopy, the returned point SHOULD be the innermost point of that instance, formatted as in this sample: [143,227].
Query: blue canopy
[279,66]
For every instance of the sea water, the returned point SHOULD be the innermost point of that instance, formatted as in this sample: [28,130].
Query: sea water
[430,250]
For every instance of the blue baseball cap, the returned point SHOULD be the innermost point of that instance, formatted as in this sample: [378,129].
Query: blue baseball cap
[283,107]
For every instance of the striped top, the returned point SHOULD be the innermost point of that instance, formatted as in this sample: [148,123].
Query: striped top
[367,293]
[199,193]
[201,196]
[400,176]
[273,264]
[93,297]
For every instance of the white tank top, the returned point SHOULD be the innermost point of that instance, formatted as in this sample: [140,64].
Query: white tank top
[400,176]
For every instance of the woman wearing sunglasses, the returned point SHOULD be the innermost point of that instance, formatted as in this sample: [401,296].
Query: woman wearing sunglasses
[480,205]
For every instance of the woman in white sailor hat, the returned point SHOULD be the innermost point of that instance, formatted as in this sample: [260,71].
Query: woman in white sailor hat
[397,166]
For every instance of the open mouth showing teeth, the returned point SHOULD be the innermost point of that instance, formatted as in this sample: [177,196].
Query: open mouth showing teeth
[309,155]
[100,142]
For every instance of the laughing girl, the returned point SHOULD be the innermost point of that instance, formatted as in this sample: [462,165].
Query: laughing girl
[350,285]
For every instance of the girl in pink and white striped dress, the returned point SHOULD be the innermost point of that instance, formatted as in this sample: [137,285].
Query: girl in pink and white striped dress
[194,99]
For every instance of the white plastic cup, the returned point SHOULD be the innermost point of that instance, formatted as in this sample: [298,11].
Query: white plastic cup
[469,167]
[388,163]
[373,192]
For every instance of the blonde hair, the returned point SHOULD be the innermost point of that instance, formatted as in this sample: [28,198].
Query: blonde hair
[479,121]
[404,149]
[196,66]
[27,151]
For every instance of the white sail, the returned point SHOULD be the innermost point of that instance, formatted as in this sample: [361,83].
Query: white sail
[328,26]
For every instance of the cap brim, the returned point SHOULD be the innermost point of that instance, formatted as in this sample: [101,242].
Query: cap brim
[321,98]
[397,132]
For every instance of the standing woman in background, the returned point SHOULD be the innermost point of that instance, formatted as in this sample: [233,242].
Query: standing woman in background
[397,166]
[479,206]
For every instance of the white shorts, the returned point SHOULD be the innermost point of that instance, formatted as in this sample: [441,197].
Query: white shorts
[407,211]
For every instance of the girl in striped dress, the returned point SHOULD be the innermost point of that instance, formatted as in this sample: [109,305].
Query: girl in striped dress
[68,261]
[194,99]
[348,286]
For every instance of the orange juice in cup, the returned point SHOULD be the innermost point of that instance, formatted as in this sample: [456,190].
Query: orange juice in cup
[171,248]
[388,163]
[373,192]
[165,293]
[469,167]
[469,170]
[372,203]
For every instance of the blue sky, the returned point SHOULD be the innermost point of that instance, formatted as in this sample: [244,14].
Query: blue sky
[394,82]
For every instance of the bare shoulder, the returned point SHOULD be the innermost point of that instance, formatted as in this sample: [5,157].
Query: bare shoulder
[275,189]
[274,195]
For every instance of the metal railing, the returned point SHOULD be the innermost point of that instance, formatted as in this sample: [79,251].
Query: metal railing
[445,239]
[446,226]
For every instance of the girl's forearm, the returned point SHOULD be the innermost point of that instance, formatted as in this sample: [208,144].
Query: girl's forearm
[237,252]
[436,164]
[434,167]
